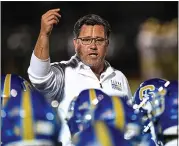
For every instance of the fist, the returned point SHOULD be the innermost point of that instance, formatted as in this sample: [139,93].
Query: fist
[48,19]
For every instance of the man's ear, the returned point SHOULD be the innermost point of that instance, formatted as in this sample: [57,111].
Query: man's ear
[107,44]
[75,43]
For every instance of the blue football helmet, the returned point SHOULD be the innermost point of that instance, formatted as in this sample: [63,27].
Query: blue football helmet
[82,107]
[27,118]
[149,102]
[168,121]
[117,112]
[100,134]
[145,96]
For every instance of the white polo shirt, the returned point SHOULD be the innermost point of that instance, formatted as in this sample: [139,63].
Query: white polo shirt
[76,76]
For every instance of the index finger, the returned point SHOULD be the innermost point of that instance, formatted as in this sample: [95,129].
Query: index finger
[56,10]
[52,10]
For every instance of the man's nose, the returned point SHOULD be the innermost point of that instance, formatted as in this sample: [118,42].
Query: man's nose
[93,45]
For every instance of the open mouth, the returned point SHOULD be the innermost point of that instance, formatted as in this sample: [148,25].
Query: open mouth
[93,54]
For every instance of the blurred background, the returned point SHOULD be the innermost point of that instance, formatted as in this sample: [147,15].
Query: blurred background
[143,43]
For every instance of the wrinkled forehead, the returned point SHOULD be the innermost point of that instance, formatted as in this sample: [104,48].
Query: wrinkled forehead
[92,31]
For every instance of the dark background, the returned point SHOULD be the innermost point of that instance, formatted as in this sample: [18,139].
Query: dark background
[23,18]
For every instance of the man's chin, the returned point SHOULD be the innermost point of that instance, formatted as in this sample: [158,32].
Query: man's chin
[91,64]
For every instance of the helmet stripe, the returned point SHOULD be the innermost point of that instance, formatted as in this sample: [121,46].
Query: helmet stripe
[7,87]
[102,134]
[119,110]
[92,95]
[27,121]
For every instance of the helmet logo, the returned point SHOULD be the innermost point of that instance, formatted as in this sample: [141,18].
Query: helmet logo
[146,91]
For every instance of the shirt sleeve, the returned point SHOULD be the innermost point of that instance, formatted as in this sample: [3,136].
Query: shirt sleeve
[47,78]
[38,67]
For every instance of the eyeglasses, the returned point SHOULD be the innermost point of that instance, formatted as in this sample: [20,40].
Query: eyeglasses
[88,41]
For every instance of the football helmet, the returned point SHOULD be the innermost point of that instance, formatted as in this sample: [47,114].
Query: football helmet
[168,120]
[100,134]
[27,118]
[117,112]
[149,102]
[145,96]
[82,107]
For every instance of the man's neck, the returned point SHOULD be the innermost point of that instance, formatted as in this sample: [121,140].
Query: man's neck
[98,70]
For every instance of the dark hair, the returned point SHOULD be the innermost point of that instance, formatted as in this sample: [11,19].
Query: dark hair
[91,19]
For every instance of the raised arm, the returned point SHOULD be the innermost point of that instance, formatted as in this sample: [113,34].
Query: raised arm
[48,79]
[48,20]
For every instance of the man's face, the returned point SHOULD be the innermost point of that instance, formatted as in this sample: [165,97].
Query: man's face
[93,53]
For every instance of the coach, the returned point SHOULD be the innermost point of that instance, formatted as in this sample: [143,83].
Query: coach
[62,81]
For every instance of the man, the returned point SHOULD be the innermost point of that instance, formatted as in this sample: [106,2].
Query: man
[62,81]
